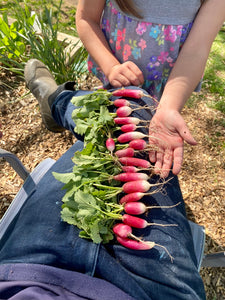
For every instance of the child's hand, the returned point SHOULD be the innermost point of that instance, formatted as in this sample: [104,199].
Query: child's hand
[125,74]
[168,131]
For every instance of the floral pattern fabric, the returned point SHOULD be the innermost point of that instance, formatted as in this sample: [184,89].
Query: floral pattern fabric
[152,47]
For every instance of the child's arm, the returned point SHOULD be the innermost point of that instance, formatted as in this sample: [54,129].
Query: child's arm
[88,18]
[183,79]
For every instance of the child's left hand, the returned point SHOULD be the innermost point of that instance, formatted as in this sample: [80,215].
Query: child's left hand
[125,74]
[168,131]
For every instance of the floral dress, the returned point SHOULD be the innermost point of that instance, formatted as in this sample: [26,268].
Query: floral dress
[151,46]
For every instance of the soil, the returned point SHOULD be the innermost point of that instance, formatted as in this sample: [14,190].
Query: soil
[201,179]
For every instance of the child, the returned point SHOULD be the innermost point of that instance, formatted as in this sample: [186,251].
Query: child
[139,43]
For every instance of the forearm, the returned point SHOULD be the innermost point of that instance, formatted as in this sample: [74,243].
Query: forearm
[118,74]
[183,79]
[93,38]
[192,59]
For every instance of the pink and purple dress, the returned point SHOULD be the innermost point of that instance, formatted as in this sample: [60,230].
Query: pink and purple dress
[152,43]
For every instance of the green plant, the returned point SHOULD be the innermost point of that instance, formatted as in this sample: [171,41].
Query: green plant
[220,105]
[52,53]
[213,86]
[215,70]
[12,46]
[20,42]
[67,13]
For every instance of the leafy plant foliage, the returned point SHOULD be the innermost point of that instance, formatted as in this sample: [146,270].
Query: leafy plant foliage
[90,201]
[19,42]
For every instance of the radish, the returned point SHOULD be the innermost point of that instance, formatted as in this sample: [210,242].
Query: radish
[141,186]
[131,177]
[138,144]
[135,196]
[135,208]
[125,237]
[134,221]
[130,169]
[124,111]
[128,127]
[128,136]
[140,245]
[140,223]
[138,208]
[127,120]
[122,230]
[128,152]
[135,245]
[133,161]
[110,144]
[136,94]
[121,102]
[132,197]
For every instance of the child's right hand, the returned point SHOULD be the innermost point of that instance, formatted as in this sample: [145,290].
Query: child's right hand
[168,131]
[125,74]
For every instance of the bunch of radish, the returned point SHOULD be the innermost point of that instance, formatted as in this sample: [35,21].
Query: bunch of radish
[134,173]
[110,165]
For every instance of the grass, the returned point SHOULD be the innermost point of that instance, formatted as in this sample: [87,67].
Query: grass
[66,18]
[215,72]
[215,68]
[213,91]
[214,77]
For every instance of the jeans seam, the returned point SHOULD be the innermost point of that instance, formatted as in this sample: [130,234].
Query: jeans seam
[95,259]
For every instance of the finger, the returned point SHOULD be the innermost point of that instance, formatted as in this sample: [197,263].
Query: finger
[152,156]
[177,160]
[167,163]
[135,81]
[131,77]
[120,80]
[186,135]
[115,83]
[152,143]
[158,163]
[138,77]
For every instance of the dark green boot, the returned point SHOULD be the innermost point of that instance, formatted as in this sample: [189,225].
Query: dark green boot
[42,84]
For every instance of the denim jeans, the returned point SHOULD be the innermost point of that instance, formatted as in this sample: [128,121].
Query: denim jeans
[38,235]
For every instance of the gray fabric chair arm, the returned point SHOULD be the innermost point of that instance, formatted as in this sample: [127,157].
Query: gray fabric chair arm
[216,259]
[15,163]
